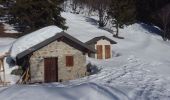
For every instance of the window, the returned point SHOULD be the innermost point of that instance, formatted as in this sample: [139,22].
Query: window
[69,61]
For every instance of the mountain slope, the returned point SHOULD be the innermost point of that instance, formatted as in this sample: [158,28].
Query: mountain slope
[139,69]
[142,63]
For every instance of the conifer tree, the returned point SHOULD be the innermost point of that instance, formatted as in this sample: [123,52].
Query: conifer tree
[34,14]
[1,10]
[5,9]
[122,12]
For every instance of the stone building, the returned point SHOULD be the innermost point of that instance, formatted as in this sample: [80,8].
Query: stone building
[103,45]
[59,58]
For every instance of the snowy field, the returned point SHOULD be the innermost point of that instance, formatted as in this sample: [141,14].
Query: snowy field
[139,70]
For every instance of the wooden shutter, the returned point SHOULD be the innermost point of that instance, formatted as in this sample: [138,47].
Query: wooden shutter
[69,61]
[107,51]
[99,52]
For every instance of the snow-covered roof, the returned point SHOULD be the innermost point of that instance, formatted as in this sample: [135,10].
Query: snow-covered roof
[32,39]
[94,40]
[65,37]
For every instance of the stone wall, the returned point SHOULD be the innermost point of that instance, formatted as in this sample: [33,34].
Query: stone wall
[60,50]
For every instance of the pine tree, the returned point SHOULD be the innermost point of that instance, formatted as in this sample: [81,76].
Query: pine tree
[2,10]
[5,9]
[122,12]
[147,8]
[34,14]
[99,6]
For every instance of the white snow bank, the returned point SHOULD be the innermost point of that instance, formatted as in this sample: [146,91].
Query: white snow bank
[88,91]
[33,38]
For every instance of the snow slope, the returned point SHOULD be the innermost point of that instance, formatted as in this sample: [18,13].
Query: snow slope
[141,62]
[139,69]
[83,28]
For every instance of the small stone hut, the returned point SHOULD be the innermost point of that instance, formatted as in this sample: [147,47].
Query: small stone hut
[56,59]
[103,45]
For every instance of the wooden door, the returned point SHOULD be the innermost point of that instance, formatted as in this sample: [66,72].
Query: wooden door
[107,51]
[99,52]
[51,70]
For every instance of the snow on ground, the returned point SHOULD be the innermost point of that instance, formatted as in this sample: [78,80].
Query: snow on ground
[87,91]
[5,45]
[83,28]
[33,39]
[142,66]
[139,69]
[9,29]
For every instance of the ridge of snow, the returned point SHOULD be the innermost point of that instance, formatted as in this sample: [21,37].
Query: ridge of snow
[33,38]
[87,91]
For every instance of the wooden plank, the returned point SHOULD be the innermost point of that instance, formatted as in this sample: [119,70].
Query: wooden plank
[46,70]
[107,51]
[99,52]
[54,70]
[2,68]
[51,70]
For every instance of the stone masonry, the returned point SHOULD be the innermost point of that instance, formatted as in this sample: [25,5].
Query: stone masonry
[60,50]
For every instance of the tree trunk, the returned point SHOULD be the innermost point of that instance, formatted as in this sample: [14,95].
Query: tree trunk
[117,30]
[164,33]
[101,23]
[164,36]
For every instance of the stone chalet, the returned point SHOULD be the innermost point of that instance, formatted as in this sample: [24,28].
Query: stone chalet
[103,45]
[59,58]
